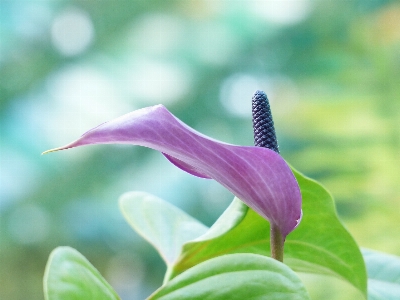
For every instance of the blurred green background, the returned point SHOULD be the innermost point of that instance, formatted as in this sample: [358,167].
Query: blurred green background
[330,68]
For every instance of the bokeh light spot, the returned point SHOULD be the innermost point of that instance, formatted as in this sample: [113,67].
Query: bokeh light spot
[72,32]
[236,93]
[155,82]
[283,12]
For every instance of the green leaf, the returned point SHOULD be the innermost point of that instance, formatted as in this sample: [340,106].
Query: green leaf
[163,225]
[69,275]
[383,275]
[235,276]
[320,245]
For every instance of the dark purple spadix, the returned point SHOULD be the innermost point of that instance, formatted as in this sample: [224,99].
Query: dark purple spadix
[263,125]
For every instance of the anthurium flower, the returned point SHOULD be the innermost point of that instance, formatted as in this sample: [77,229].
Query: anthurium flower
[258,176]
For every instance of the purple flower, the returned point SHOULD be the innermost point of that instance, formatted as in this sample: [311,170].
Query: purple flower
[258,176]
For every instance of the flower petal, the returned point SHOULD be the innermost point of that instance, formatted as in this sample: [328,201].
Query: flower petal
[185,167]
[258,176]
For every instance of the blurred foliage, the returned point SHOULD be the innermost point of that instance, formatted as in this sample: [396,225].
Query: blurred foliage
[331,70]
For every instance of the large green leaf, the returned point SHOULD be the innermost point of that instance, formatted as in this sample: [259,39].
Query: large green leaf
[235,276]
[69,275]
[163,225]
[383,275]
[320,245]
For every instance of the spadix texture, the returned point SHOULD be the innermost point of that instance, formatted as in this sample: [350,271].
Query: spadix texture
[258,176]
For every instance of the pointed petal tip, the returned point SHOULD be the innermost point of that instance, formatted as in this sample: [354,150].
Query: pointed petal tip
[51,150]
[56,149]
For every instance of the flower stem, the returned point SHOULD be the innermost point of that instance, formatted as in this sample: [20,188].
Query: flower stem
[277,243]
